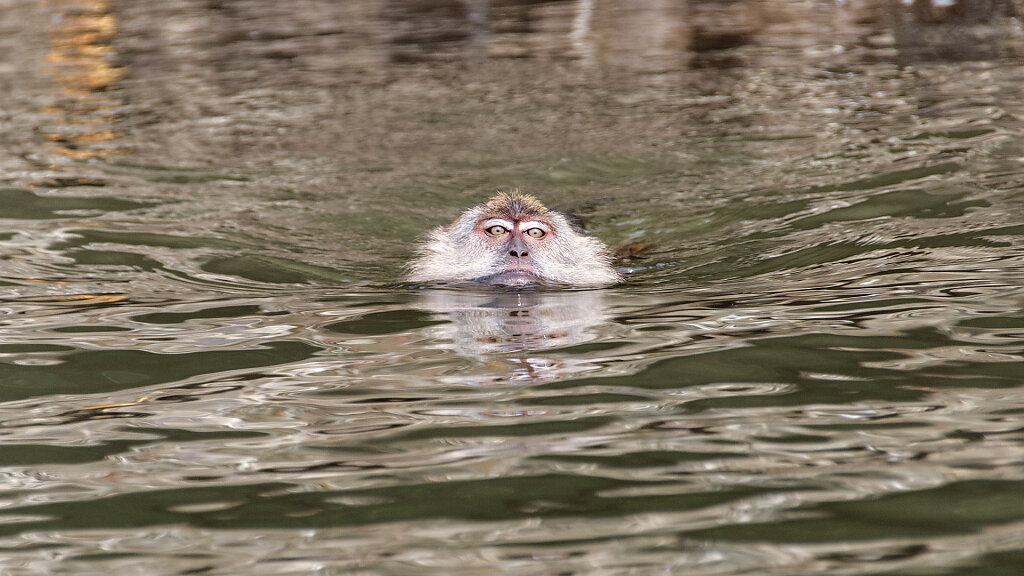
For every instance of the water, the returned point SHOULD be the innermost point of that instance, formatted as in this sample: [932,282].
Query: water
[209,362]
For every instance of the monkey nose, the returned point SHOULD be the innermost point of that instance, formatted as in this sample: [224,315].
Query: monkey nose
[517,248]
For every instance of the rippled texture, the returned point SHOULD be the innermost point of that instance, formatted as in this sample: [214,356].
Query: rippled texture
[209,364]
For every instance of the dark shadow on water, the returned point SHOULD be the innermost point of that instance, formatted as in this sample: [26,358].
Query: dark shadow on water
[97,371]
[27,205]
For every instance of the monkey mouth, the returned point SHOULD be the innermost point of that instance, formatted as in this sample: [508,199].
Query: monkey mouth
[513,277]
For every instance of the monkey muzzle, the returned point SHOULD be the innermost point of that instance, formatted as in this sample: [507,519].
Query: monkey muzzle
[517,268]
[512,277]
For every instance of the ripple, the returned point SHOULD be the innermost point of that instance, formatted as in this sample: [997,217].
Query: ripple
[812,367]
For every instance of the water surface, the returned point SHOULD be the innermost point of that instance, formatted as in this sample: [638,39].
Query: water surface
[209,362]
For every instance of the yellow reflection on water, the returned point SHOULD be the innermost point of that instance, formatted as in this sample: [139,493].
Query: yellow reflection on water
[82,56]
[96,298]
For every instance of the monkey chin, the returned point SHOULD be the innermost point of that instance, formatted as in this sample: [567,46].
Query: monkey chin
[514,278]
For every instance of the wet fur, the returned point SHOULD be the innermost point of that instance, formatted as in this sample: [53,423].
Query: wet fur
[458,253]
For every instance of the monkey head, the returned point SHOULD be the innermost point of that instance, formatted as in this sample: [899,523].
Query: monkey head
[512,240]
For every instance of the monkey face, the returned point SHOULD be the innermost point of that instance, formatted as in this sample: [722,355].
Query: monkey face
[517,247]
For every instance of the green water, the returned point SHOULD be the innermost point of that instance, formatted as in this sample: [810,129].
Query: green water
[209,363]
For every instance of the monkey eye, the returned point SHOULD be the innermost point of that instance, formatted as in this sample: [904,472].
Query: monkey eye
[497,230]
[535,233]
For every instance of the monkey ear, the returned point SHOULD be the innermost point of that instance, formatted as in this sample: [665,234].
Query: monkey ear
[636,250]
[578,223]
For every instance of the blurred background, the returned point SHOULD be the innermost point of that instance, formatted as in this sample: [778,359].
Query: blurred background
[431,105]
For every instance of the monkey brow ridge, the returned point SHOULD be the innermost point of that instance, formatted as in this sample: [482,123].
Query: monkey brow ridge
[515,204]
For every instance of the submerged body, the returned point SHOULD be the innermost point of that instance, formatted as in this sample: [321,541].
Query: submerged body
[512,240]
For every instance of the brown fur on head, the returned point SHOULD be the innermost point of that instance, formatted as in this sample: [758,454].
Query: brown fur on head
[515,240]
[515,204]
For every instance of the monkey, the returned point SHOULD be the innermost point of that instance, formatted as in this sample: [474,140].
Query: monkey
[512,240]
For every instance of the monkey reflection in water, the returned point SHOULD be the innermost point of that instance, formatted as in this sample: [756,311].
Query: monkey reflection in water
[512,240]
[482,323]
[510,330]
